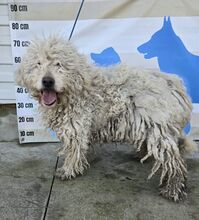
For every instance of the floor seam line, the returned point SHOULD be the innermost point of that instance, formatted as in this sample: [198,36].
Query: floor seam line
[50,192]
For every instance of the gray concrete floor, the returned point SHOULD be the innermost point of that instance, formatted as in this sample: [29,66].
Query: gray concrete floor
[115,187]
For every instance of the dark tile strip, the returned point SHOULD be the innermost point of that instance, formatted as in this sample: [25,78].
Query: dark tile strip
[50,191]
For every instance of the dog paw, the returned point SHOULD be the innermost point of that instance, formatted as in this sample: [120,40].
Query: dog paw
[65,173]
[175,194]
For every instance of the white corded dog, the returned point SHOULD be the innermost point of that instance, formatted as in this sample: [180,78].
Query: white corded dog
[85,104]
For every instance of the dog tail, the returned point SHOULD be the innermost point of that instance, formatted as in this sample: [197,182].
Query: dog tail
[187,145]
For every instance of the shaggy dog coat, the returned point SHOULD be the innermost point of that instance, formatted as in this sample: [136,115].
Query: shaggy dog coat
[85,104]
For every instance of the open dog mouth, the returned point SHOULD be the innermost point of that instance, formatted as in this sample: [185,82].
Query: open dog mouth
[147,55]
[49,98]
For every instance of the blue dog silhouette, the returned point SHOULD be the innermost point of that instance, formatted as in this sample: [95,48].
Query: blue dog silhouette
[106,58]
[173,57]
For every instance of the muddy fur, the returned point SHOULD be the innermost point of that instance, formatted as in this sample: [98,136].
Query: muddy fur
[144,108]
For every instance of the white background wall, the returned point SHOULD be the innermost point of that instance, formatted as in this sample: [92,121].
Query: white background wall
[7,94]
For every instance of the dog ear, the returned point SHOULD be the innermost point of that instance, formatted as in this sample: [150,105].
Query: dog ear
[169,22]
[169,25]
[165,21]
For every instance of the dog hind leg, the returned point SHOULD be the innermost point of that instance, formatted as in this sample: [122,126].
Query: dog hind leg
[173,178]
[163,146]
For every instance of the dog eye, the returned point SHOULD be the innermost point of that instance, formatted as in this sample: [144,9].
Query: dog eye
[39,63]
[58,64]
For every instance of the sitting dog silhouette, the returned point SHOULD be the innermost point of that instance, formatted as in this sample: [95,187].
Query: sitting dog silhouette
[106,58]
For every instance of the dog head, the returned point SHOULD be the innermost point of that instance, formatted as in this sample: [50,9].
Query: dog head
[162,42]
[50,70]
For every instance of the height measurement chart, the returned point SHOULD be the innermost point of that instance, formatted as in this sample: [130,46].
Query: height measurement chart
[27,21]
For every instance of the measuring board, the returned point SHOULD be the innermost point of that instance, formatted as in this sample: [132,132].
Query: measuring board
[27,21]
[91,36]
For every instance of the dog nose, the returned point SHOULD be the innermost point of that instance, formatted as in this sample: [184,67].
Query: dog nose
[48,82]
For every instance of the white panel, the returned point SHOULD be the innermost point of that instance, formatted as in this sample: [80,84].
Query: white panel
[7,101]
[6,73]
[4,35]
[7,77]
[5,55]
[4,1]
[7,92]
[4,20]
[4,10]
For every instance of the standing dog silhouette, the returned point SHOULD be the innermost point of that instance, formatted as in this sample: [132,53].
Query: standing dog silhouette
[173,57]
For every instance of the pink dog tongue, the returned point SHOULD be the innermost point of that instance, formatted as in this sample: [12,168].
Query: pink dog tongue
[49,97]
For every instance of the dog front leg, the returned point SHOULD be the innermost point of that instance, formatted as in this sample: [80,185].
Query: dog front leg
[74,150]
